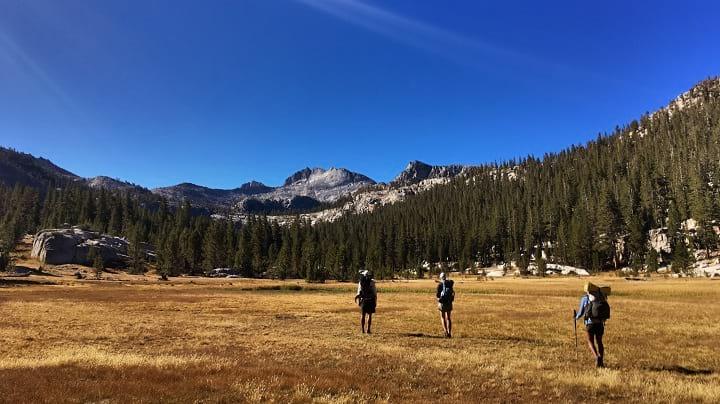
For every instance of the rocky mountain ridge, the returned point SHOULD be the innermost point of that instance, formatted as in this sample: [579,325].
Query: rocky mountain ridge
[315,192]
[304,190]
[113,184]
[417,171]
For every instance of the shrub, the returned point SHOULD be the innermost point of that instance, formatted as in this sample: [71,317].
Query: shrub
[4,260]
[95,257]
[541,266]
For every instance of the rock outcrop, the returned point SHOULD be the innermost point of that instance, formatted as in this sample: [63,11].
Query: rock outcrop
[73,246]
[112,184]
[417,171]
[319,178]
[253,188]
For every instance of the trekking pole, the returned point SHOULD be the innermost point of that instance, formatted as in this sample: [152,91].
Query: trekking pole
[575,327]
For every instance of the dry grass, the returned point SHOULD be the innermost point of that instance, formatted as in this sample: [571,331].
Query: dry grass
[193,340]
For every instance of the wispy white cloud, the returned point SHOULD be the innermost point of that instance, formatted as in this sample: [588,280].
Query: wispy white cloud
[459,48]
[25,65]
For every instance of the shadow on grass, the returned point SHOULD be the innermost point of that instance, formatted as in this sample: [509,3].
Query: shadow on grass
[290,287]
[517,339]
[40,272]
[681,370]
[288,316]
[19,282]
[420,335]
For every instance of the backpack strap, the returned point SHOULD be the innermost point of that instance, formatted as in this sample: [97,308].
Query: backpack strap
[586,308]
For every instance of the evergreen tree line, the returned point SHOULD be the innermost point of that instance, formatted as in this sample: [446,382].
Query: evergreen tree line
[589,206]
[183,242]
[18,212]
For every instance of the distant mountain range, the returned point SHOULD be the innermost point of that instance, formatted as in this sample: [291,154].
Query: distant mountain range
[317,194]
[309,190]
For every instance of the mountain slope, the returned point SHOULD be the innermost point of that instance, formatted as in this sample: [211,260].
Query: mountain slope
[25,169]
[112,184]
[323,185]
[592,206]
[202,196]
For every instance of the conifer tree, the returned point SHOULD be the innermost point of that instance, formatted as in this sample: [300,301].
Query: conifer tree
[257,248]
[637,244]
[282,263]
[681,257]
[540,261]
[212,247]
[310,261]
[136,252]
[651,261]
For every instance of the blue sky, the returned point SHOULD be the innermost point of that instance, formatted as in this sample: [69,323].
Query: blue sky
[222,92]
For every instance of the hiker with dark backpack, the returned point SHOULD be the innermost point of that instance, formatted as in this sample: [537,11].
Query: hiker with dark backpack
[445,296]
[366,298]
[595,310]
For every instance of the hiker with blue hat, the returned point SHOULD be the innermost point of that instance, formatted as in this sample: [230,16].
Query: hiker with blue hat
[445,296]
[595,310]
[366,298]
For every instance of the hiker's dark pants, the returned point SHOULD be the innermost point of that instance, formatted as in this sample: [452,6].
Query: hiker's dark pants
[595,330]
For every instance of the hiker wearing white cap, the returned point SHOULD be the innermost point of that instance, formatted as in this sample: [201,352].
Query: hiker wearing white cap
[445,296]
[366,297]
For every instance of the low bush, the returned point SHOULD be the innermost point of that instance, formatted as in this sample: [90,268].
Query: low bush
[4,260]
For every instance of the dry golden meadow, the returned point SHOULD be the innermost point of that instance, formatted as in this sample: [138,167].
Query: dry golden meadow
[137,339]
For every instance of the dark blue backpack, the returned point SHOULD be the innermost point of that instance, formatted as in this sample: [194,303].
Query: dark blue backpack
[598,310]
[447,294]
[366,292]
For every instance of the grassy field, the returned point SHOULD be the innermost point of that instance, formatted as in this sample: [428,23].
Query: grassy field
[195,340]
